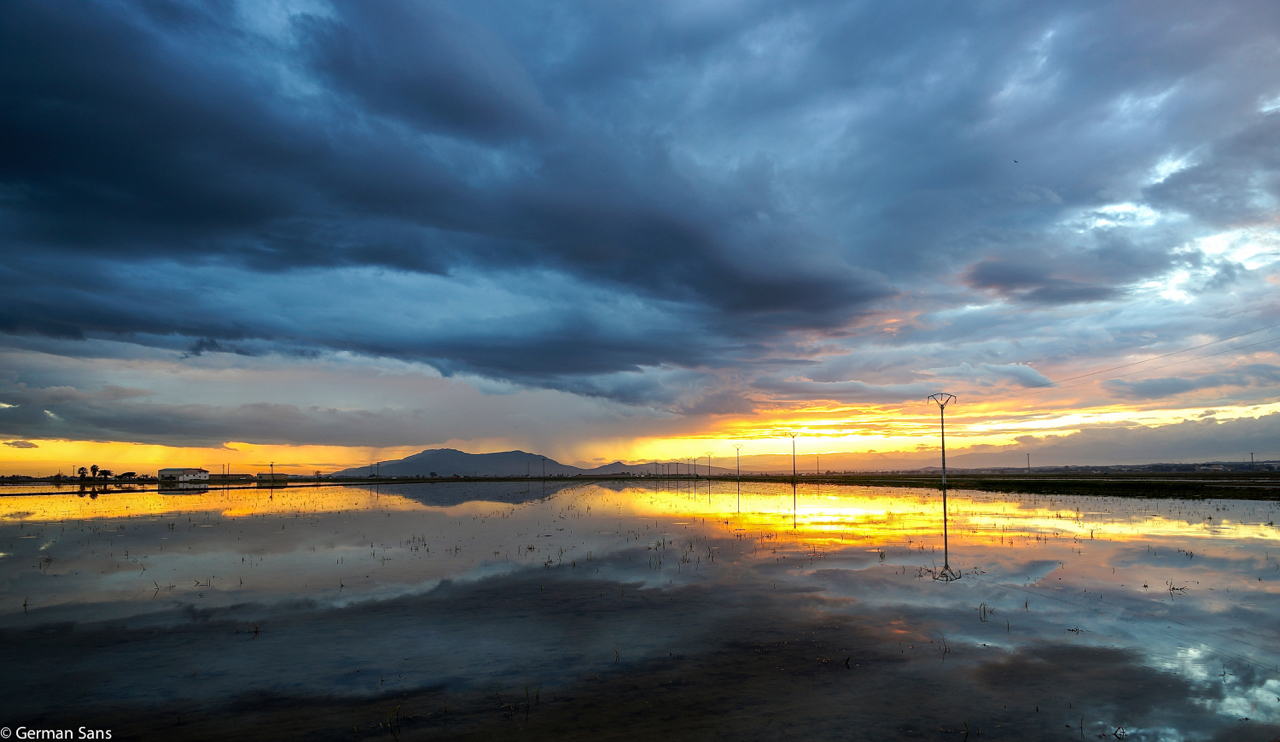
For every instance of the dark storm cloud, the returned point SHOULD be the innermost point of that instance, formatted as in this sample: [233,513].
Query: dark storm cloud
[123,414]
[122,146]
[740,173]
[207,345]
[719,403]
[1034,284]
[1080,268]
[1236,185]
[845,391]
[427,64]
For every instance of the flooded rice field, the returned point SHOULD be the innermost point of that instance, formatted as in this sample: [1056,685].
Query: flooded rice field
[629,609]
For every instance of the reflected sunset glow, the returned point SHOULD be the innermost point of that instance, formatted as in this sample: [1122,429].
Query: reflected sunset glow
[874,516]
[227,503]
[1169,576]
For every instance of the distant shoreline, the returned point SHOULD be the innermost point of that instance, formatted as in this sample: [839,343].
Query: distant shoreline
[1206,486]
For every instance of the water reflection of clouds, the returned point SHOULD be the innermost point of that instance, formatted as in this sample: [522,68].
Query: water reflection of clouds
[469,571]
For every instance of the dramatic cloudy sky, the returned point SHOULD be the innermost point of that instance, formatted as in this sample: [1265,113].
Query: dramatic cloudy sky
[322,231]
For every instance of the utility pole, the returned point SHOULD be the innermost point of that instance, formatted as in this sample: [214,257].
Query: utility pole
[708,455]
[942,400]
[1028,463]
[793,455]
[544,466]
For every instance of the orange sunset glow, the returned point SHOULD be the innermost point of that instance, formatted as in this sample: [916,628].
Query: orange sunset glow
[847,434]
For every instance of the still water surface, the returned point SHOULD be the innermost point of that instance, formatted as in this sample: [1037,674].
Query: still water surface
[617,610]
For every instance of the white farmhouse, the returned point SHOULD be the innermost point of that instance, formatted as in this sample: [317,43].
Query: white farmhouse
[181,475]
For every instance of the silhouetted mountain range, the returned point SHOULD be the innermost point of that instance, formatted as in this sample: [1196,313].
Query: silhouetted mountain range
[447,462]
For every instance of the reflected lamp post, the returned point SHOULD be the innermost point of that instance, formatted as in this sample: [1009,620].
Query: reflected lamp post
[737,448]
[794,507]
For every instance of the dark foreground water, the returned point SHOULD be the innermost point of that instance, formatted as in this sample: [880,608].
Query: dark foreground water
[615,611]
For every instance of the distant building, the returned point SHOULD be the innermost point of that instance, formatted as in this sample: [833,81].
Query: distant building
[266,479]
[182,475]
[230,478]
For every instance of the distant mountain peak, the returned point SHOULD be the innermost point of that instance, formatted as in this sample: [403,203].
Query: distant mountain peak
[447,462]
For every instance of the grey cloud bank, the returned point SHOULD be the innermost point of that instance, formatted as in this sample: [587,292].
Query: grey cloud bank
[688,210]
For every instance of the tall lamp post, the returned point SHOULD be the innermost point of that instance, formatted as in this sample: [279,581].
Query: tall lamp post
[793,455]
[942,400]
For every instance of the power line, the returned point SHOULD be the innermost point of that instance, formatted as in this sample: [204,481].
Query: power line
[1178,363]
[1141,371]
[1056,384]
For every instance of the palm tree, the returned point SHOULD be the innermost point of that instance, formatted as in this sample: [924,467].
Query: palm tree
[94,469]
[83,472]
[106,473]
